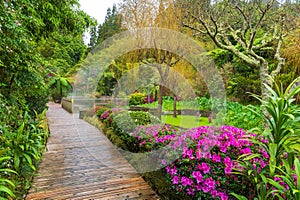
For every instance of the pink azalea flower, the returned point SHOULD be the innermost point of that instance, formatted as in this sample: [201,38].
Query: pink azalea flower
[185,181]
[198,176]
[216,158]
[204,167]
[246,151]
[175,180]
[210,183]
[190,191]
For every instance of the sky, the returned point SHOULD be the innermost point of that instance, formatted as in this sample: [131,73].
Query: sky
[97,8]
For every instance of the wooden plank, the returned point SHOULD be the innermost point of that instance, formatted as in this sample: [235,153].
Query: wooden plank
[81,163]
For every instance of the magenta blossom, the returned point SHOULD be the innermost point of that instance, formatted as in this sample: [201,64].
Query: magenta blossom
[185,181]
[198,176]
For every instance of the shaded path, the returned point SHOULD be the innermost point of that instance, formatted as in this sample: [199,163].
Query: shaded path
[81,163]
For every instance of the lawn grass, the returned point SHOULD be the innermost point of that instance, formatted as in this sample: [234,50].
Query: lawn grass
[168,105]
[185,121]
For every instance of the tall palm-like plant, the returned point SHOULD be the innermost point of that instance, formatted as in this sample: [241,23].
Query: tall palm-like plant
[60,85]
[282,131]
[282,118]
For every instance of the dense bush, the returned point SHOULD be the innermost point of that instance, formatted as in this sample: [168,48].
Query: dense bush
[128,121]
[108,115]
[281,179]
[137,99]
[206,160]
[243,116]
[99,111]
[124,124]
[151,137]
[22,139]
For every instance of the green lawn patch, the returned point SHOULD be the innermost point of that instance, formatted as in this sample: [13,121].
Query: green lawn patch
[168,105]
[185,121]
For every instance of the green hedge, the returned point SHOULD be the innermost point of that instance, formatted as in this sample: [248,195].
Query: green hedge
[137,99]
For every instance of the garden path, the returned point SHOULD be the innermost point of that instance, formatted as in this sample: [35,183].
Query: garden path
[81,163]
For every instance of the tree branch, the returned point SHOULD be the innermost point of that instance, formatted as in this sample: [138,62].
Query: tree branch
[277,56]
[194,28]
[253,33]
[237,38]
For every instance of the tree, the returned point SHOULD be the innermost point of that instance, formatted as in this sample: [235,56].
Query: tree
[111,26]
[245,28]
[62,52]
[23,25]
[137,15]
[60,85]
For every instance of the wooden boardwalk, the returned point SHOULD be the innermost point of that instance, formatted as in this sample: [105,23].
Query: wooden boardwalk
[81,163]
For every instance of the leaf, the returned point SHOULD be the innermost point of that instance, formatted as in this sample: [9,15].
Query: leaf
[277,185]
[271,90]
[7,191]
[272,151]
[7,181]
[239,197]
[16,161]
[29,160]
[4,158]
[8,170]
[21,129]
[64,82]
[297,169]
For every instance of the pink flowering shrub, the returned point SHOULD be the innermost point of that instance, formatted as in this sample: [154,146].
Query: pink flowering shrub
[205,167]
[107,116]
[154,136]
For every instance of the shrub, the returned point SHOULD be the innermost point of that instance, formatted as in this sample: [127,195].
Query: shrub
[23,139]
[137,99]
[204,168]
[243,116]
[128,121]
[100,111]
[124,124]
[280,180]
[152,137]
[204,103]
[108,115]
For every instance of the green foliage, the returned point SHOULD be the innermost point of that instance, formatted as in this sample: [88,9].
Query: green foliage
[100,111]
[204,103]
[23,138]
[137,99]
[282,133]
[60,86]
[25,54]
[111,26]
[62,52]
[6,185]
[282,118]
[126,122]
[23,25]
[242,116]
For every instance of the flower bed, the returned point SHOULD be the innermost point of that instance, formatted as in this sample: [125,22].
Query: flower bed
[206,162]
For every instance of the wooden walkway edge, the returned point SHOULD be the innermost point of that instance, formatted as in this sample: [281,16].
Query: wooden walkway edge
[81,163]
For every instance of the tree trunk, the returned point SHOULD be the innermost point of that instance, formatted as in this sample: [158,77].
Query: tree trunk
[265,94]
[61,93]
[265,79]
[160,101]
[174,107]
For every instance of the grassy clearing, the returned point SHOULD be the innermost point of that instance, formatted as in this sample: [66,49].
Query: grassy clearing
[168,105]
[185,121]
